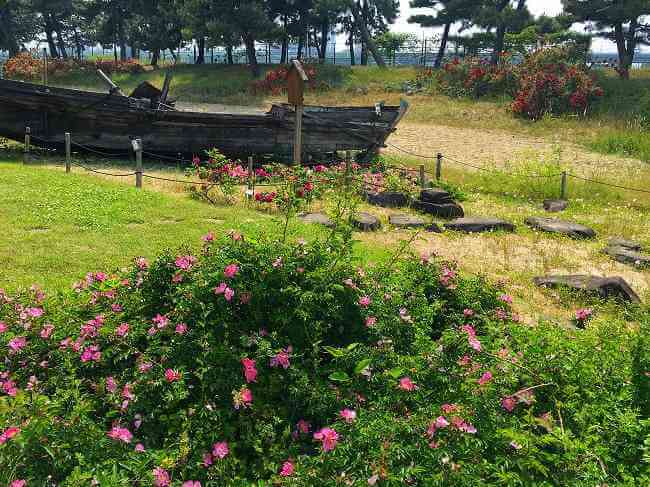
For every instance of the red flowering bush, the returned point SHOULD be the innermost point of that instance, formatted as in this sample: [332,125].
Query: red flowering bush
[275,81]
[550,85]
[548,81]
[251,361]
[25,66]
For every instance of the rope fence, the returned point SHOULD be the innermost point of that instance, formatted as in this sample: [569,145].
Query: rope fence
[139,173]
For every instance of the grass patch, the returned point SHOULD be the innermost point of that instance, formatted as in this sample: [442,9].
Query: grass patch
[632,143]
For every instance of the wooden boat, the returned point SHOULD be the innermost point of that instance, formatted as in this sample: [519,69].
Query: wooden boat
[107,123]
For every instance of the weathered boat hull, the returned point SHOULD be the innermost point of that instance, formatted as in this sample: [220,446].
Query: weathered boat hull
[108,123]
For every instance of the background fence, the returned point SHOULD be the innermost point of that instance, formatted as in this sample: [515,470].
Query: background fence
[418,52]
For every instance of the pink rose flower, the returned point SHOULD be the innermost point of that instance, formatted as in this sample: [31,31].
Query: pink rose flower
[181,328]
[328,437]
[220,450]
[364,301]
[17,343]
[348,415]
[8,434]
[122,330]
[161,478]
[281,359]
[509,403]
[287,469]
[120,434]
[406,384]
[231,271]
[172,375]
[485,378]
[250,372]
[47,331]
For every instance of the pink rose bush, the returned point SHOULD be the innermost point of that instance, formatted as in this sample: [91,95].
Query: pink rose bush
[290,364]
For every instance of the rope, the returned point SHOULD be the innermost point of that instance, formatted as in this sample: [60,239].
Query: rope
[90,149]
[165,158]
[608,184]
[90,169]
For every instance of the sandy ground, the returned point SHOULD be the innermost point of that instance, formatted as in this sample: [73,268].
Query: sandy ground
[497,148]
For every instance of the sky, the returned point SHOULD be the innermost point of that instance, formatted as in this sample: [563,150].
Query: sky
[537,7]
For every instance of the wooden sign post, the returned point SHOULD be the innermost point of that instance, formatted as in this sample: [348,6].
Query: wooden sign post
[296,87]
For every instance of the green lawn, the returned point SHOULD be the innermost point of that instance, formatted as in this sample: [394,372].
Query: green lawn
[55,227]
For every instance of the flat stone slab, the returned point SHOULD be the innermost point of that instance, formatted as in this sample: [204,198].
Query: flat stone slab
[570,229]
[621,242]
[406,221]
[628,256]
[319,218]
[388,199]
[554,206]
[366,222]
[479,225]
[434,228]
[605,287]
[435,195]
[444,210]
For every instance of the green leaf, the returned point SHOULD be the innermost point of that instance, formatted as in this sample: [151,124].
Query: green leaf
[352,346]
[335,352]
[361,366]
[396,372]
[339,377]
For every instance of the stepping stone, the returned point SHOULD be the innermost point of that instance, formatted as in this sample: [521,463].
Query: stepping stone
[444,210]
[628,256]
[388,199]
[319,218]
[435,195]
[570,229]
[605,287]
[554,206]
[434,228]
[479,225]
[621,242]
[366,222]
[406,221]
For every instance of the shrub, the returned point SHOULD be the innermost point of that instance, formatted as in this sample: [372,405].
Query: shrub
[275,81]
[26,67]
[548,81]
[256,362]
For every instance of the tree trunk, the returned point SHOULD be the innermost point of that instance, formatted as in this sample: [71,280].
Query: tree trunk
[324,34]
[625,50]
[443,45]
[49,35]
[284,55]
[229,58]
[301,46]
[7,31]
[365,35]
[155,57]
[122,38]
[353,61]
[201,57]
[249,41]
[61,44]
[77,43]
[501,32]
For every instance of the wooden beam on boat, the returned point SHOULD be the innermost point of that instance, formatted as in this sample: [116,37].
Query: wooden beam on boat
[166,85]
[113,87]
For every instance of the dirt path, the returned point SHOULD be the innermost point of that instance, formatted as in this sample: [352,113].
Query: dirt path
[498,148]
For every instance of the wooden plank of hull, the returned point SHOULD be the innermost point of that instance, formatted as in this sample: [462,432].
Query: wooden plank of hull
[108,123]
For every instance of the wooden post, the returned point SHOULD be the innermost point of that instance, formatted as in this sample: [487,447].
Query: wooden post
[439,167]
[251,174]
[297,141]
[28,139]
[296,79]
[348,169]
[68,152]
[563,187]
[423,177]
[45,66]
[137,148]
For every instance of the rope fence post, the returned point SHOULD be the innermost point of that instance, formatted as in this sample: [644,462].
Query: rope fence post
[438,166]
[137,148]
[423,177]
[28,139]
[68,152]
[251,186]
[348,169]
[563,186]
